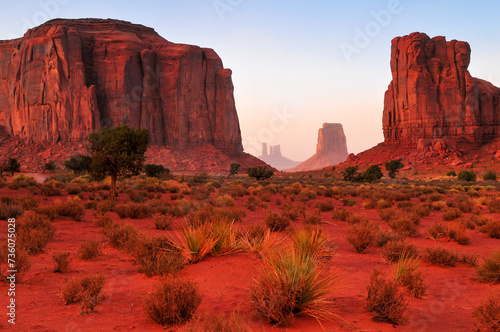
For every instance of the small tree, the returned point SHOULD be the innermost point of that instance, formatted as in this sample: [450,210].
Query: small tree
[350,173]
[234,169]
[49,167]
[79,164]
[467,176]
[116,152]
[12,165]
[490,176]
[373,173]
[154,171]
[393,167]
[451,173]
[260,172]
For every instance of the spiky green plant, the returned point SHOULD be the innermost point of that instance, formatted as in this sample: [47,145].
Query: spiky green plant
[224,235]
[259,240]
[291,282]
[314,242]
[406,273]
[195,243]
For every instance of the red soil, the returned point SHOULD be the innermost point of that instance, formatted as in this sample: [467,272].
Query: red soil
[224,281]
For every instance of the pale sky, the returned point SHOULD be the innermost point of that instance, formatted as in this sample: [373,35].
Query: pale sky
[296,64]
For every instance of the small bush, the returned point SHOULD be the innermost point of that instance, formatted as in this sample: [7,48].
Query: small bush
[132,210]
[488,311]
[121,236]
[276,222]
[172,301]
[362,235]
[403,224]
[341,214]
[163,222]
[490,176]
[458,233]
[397,248]
[325,206]
[218,322]
[156,171]
[451,173]
[441,256]
[492,228]
[260,172]
[85,290]
[451,214]
[89,249]
[489,270]
[437,231]
[494,205]
[34,232]
[313,218]
[61,261]
[10,210]
[384,299]
[467,176]
[158,256]
[293,211]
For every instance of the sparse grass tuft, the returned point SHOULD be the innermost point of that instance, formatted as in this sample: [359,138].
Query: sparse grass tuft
[488,311]
[406,272]
[89,249]
[62,261]
[489,270]
[384,299]
[441,256]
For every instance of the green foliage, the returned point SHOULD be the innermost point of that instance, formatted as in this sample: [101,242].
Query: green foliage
[350,173]
[451,173]
[373,173]
[467,176]
[234,168]
[11,165]
[79,164]
[50,166]
[393,167]
[155,171]
[260,172]
[490,176]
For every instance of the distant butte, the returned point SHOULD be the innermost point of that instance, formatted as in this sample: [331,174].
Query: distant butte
[67,78]
[435,112]
[275,158]
[330,150]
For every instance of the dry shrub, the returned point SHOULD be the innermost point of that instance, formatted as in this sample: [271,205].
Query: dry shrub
[314,242]
[89,249]
[289,283]
[387,214]
[341,214]
[85,290]
[172,301]
[469,260]
[397,248]
[385,301]
[325,206]
[158,256]
[494,205]
[406,272]
[22,260]
[276,222]
[72,208]
[362,235]
[489,270]
[488,311]
[10,210]
[163,222]
[293,211]
[133,210]
[458,233]
[313,218]
[121,236]
[103,220]
[441,256]
[437,231]
[479,220]
[224,200]
[62,261]
[451,214]
[259,239]
[492,228]
[357,218]
[34,232]
[403,224]
[218,322]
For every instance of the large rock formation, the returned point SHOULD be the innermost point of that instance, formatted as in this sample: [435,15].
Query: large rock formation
[433,96]
[67,78]
[330,150]
[275,158]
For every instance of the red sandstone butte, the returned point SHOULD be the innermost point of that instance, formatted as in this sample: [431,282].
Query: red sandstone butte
[67,78]
[330,150]
[432,94]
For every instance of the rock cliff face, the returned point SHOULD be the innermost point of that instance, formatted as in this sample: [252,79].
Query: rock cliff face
[67,78]
[330,150]
[433,96]
[275,158]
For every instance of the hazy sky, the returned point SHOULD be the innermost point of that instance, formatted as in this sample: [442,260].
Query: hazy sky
[296,64]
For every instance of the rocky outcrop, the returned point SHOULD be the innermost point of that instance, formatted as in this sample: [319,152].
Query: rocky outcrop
[275,158]
[433,96]
[330,150]
[67,78]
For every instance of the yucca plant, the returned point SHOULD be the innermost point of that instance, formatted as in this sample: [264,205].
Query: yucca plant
[259,239]
[195,242]
[288,283]
[314,242]
[406,273]
[224,235]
